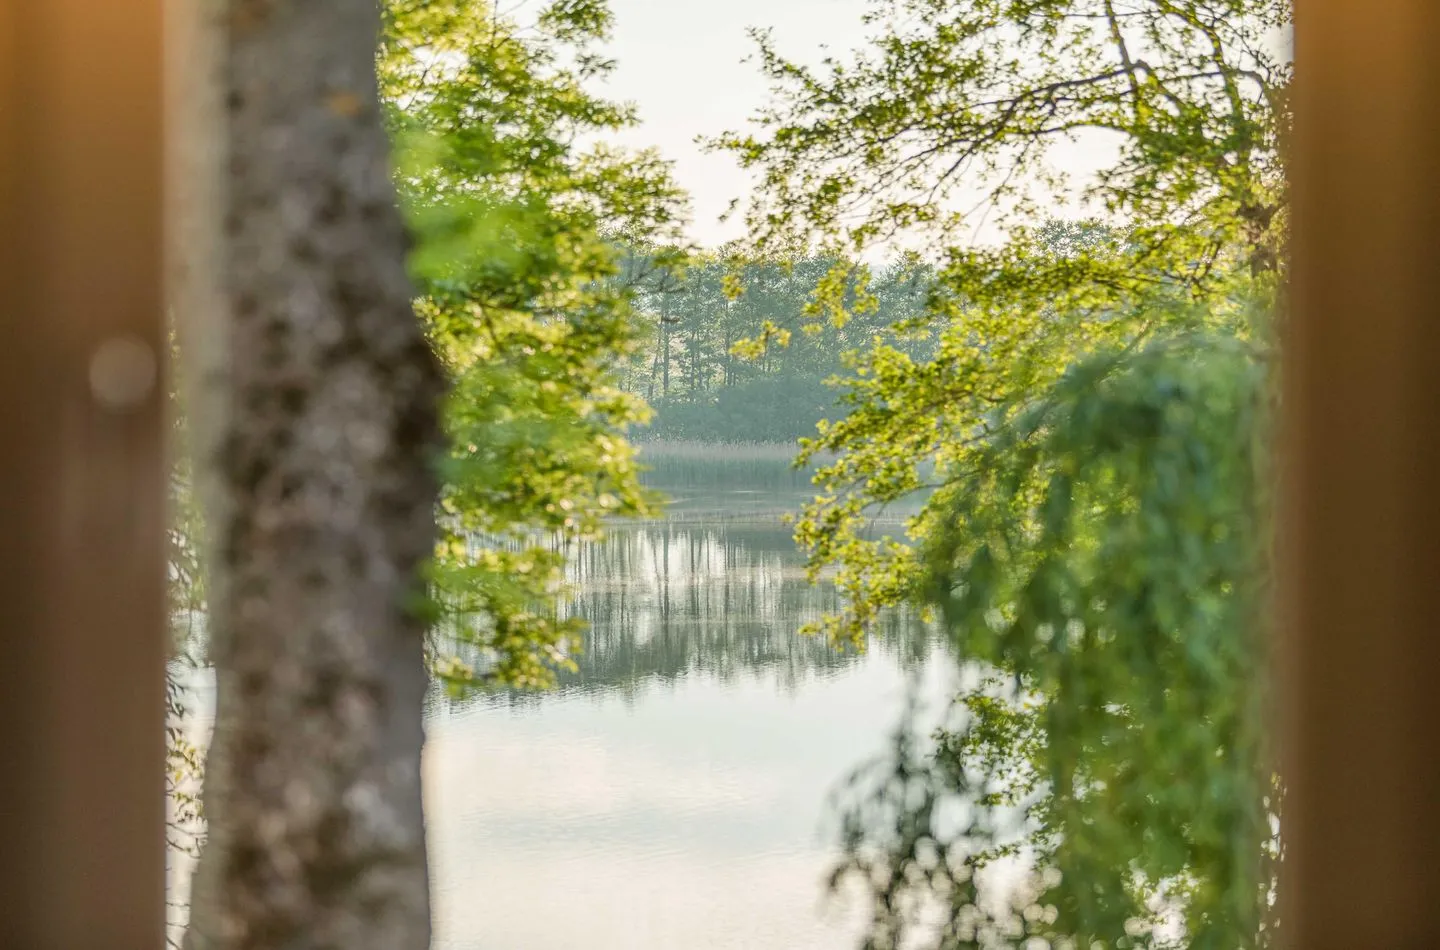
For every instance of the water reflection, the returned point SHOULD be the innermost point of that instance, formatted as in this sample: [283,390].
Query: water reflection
[671,793]
[721,601]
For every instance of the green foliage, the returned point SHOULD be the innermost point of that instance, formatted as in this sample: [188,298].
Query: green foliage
[1109,555]
[519,266]
[971,95]
[990,359]
[1092,399]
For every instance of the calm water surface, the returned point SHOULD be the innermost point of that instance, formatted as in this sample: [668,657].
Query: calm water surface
[672,793]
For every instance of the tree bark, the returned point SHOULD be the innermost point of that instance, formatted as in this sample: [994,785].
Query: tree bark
[326,504]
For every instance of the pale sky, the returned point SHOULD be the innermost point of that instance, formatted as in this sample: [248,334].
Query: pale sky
[680,61]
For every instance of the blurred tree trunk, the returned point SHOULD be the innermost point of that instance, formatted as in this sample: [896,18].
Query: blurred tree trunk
[322,408]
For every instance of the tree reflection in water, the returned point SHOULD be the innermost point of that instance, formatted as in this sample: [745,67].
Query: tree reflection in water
[668,601]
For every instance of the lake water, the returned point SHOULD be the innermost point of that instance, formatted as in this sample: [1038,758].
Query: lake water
[672,793]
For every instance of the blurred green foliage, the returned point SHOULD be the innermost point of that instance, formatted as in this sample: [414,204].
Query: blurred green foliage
[1094,400]
[521,235]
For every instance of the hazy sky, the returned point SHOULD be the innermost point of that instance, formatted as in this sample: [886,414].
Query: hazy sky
[680,61]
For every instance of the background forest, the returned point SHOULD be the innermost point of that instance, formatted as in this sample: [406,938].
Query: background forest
[706,385]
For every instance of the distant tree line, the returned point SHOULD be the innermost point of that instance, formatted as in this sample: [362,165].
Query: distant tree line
[700,370]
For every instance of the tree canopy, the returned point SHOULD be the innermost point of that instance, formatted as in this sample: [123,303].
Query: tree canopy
[1094,400]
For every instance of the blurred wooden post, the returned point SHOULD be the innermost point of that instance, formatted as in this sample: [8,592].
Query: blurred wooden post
[82,477]
[1362,657]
